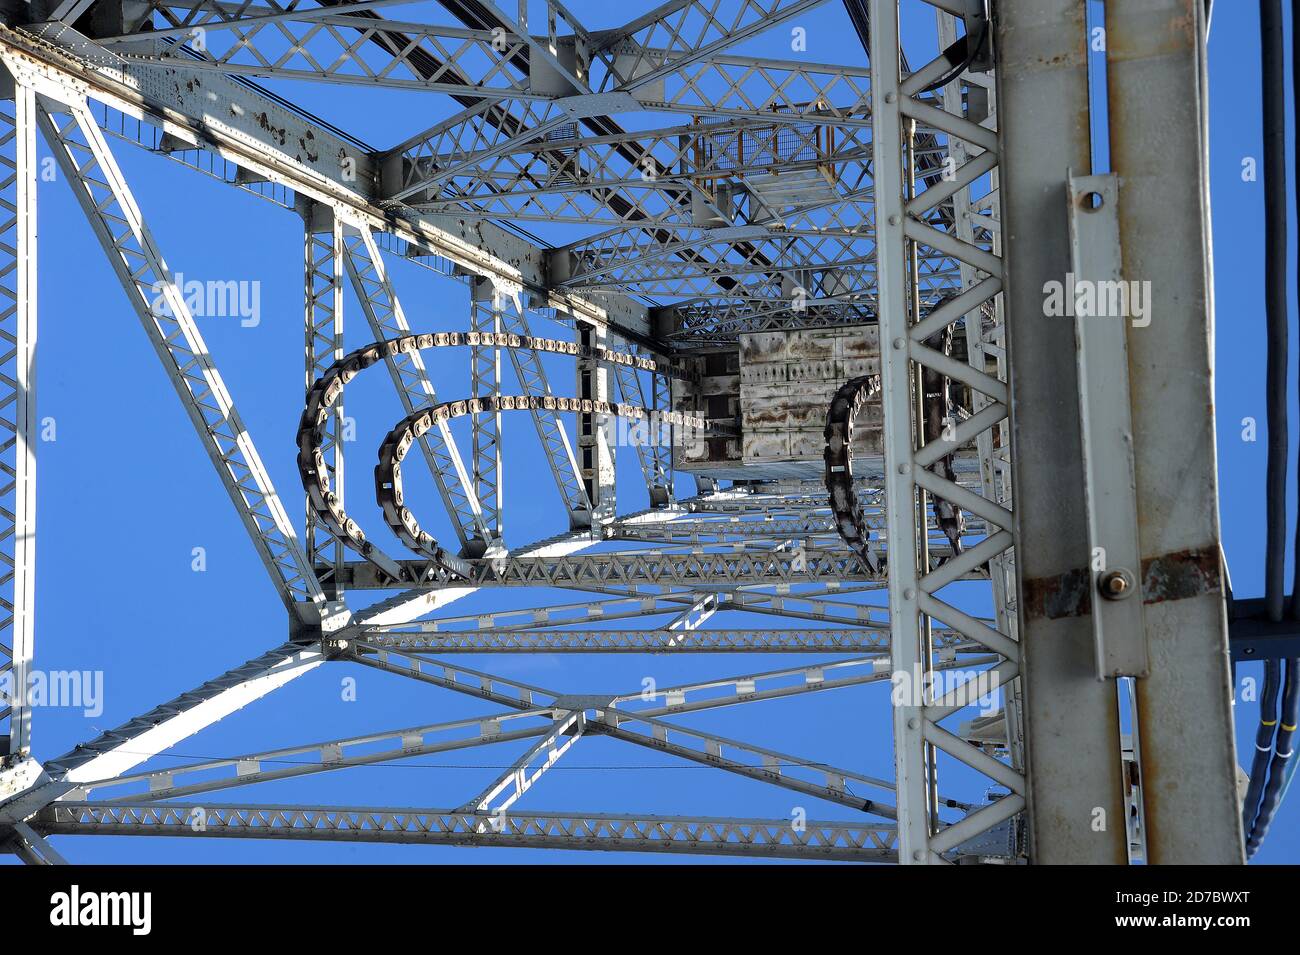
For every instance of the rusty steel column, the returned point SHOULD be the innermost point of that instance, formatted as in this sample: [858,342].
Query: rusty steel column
[1155,74]
[1076,807]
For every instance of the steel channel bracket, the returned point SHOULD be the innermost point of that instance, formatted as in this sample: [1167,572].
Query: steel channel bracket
[1092,292]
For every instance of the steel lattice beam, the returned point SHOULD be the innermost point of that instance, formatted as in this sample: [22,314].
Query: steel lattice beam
[778,839]
[17,410]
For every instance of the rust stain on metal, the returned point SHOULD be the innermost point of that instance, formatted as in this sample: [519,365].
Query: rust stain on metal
[1187,573]
[1065,595]
[1176,576]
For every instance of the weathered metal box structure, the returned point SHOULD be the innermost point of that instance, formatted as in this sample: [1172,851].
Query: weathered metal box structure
[771,394]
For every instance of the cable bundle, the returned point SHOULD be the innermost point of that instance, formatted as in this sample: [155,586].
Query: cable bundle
[1273,766]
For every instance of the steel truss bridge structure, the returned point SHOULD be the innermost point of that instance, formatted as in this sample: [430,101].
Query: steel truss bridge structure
[922,208]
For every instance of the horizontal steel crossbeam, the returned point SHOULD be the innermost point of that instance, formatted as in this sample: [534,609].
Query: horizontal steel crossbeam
[778,839]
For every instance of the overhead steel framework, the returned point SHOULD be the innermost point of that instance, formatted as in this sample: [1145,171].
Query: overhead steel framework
[907,215]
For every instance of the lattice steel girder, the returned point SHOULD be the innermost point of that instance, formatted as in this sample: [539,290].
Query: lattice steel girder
[759,280]
[727,691]
[710,263]
[633,602]
[611,720]
[711,322]
[705,531]
[323,321]
[17,408]
[849,842]
[485,427]
[773,767]
[595,570]
[330,44]
[679,32]
[683,153]
[387,320]
[328,756]
[661,483]
[595,445]
[635,641]
[404,607]
[765,498]
[721,86]
[665,206]
[624,257]
[339,171]
[752,687]
[813,605]
[97,182]
[654,454]
[654,171]
[904,232]
[978,328]
[551,431]
[182,17]
[778,90]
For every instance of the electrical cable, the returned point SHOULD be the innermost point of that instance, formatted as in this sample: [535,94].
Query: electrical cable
[1295,118]
[1271,768]
[1275,278]
[960,47]
[1263,744]
[1284,749]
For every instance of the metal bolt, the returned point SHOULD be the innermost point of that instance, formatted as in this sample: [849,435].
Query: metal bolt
[1115,584]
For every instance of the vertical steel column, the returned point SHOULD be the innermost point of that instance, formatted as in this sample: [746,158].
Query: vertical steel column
[17,402]
[323,326]
[907,327]
[1071,718]
[980,333]
[651,452]
[595,450]
[485,375]
[549,425]
[1155,55]
[896,397]
[662,452]
[383,311]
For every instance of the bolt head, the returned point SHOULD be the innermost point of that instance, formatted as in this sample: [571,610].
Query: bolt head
[1116,584]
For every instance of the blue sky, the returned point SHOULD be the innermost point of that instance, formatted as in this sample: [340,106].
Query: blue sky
[126,492]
